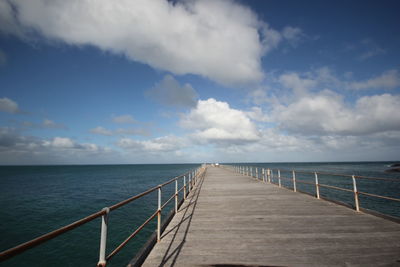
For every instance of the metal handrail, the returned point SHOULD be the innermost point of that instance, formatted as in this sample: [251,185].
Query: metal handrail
[193,176]
[267,176]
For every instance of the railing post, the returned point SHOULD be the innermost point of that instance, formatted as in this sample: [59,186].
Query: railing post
[103,239]
[263,174]
[269,175]
[316,185]
[159,215]
[272,175]
[357,204]
[279,178]
[190,182]
[294,181]
[184,187]
[256,173]
[176,196]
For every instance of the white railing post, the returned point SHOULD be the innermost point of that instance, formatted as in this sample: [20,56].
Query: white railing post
[272,175]
[251,171]
[176,196]
[256,173]
[357,204]
[294,181]
[269,175]
[263,174]
[316,185]
[184,187]
[190,182]
[103,239]
[279,178]
[159,215]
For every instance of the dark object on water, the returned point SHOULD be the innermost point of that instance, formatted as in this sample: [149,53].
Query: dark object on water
[395,165]
[392,170]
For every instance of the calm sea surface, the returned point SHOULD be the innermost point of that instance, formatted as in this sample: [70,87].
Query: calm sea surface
[37,199]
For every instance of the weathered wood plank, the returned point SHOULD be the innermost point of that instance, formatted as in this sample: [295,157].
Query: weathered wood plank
[235,220]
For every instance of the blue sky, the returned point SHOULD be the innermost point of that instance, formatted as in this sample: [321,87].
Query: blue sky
[93,82]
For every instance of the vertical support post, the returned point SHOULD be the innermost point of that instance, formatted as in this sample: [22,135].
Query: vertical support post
[272,175]
[357,204]
[263,174]
[184,187]
[256,173]
[190,182]
[269,175]
[279,178]
[251,171]
[294,181]
[103,238]
[176,196]
[159,215]
[316,185]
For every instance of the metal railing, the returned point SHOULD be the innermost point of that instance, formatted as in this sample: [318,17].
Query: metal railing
[267,175]
[189,179]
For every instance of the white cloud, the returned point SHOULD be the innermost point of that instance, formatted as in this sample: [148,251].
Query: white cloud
[293,35]
[326,113]
[20,149]
[101,131]
[257,114]
[217,122]
[120,131]
[170,92]
[371,49]
[61,142]
[53,125]
[198,37]
[161,144]
[132,131]
[299,85]
[8,105]
[388,80]
[124,119]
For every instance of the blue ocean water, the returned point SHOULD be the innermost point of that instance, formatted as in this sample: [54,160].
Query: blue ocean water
[37,199]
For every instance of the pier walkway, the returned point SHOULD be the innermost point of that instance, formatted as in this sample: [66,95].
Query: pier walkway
[234,220]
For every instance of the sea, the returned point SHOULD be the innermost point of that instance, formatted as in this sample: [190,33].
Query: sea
[35,200]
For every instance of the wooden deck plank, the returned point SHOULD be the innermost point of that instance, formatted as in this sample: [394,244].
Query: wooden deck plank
[235,220]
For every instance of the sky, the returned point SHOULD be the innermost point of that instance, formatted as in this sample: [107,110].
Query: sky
[192,81]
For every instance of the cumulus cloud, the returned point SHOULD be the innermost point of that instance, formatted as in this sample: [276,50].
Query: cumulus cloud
[170,92]
[52,125]
[327,113]
[120,131]
[300,86]
[124,119]
[257,114]
[8,105]
[197,37]
[293,35]
[216,122]
[16,148]
[388,80]
[101,131]
[161,144]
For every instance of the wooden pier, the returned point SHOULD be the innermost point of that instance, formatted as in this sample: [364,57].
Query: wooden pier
[234,220]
